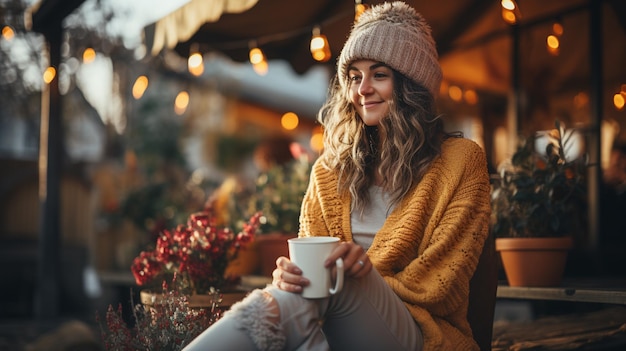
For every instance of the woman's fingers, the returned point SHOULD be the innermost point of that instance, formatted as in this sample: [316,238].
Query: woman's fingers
[287,276]
[355,260]
[361,267]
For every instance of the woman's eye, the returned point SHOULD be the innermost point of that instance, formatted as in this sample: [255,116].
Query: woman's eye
[380,75]
[355,78]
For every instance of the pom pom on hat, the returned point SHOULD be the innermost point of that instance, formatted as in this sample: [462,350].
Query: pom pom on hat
[395,34]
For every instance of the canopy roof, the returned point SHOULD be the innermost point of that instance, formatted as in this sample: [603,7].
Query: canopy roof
[474,43]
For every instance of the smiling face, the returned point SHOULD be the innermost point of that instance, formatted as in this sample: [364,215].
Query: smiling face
[371,90]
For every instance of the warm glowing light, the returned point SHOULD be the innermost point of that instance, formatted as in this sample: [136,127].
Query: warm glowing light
[49,74]
[181,102]
[195,64]
[455,93]
[509,16]
[261,68]
[89,55]
[195,60]
[359,8]
[256,56]
[618,101]
[557,28]
[8,33]
[317,140]
[552,41]
[317,43]
[508,4]
[320,48]
[259,63]
[510,11]
[471,97]
[289,121]
[623,89]
[140,86]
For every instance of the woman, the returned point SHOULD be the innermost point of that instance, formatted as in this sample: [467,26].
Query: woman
[409,201]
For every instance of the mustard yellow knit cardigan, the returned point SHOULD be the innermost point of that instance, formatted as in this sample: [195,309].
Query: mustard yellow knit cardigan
[428,248]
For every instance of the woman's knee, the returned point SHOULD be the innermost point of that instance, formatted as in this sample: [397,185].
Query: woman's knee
[258,315]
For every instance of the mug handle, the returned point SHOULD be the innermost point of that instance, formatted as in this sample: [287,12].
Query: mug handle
[339,278]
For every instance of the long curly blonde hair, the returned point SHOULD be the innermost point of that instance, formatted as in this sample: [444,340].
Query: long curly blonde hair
[411,137]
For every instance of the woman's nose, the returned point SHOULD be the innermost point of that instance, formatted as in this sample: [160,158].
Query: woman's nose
[365,87]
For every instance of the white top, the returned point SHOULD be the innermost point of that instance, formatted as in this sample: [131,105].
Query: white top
[365,227]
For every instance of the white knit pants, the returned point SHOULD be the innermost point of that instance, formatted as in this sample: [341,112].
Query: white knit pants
[365,315]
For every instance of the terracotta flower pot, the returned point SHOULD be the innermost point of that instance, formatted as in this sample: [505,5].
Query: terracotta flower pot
[272,246]
[534,262]
[246,263]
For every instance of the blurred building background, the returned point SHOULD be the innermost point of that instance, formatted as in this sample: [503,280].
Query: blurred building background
[143,134]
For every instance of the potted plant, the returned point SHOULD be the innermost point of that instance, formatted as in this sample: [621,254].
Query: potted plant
[196,253]
[537,201]
[278,195]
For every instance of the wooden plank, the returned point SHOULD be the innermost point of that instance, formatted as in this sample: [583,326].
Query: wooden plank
[565,332]
[597,295]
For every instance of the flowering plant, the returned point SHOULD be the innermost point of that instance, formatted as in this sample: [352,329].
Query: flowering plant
[199,252]
[540,194]
[169,325]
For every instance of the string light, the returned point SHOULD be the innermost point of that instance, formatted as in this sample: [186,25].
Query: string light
[256,56]
[619,99]
[317,139]
[320,49]
[459,94]
[289,121]
[510,11]
[470,96]
[49,74]
[251,44]
[181,102]
[557,28]
[257,59]
[140,86]
[553,42]
[8,33]
[508,4]
[455,93]
[195,62]
[89,55]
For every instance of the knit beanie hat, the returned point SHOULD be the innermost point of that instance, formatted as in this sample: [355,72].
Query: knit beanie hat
[395,34]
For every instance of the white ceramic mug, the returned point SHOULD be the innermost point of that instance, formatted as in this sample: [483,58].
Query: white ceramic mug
[309,254]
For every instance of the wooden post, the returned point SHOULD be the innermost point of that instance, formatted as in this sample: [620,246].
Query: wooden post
[50,167]
[514,113]
[47,20]
[594,139]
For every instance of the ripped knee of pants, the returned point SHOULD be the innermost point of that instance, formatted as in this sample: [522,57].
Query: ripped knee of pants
[258,316]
